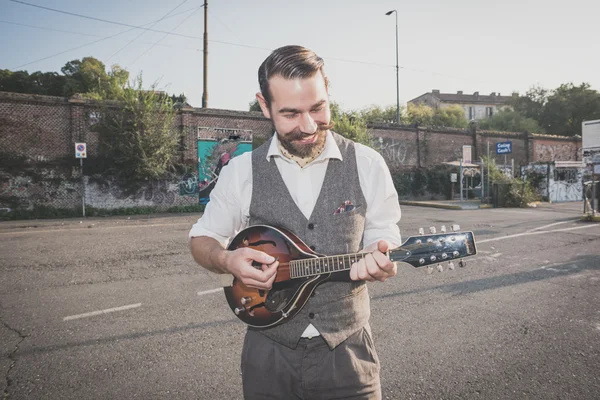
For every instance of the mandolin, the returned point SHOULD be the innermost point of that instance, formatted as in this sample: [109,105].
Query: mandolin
[301,270]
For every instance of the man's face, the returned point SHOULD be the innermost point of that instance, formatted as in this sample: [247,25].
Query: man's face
[300,112]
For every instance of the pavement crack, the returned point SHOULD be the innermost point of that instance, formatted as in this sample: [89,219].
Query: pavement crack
[12,358]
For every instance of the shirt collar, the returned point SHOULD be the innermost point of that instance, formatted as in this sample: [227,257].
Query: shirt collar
[331,149]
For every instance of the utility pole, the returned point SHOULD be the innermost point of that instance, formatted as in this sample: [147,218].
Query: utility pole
[205,50]
[397,69]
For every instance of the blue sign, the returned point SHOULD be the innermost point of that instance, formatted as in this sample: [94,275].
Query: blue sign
[504,148]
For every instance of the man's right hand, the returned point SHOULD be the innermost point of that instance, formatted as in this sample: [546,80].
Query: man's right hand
[239,264]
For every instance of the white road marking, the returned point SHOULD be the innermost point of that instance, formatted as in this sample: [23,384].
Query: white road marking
[33,230]
[535,233]
[210,291]
[108,310]
[549,225]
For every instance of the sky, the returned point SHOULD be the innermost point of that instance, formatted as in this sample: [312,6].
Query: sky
[468,45]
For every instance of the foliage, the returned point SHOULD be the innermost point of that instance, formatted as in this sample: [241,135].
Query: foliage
[510,121]
[419,115]
[254,106]
[350,125]
[138,140]
[562,110]
[519,193]
[87,76]
[377,114]
[452,117]
[429,184]
[423,115]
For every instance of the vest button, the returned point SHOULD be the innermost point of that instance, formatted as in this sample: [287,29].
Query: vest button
[311,315]
[313,248]
[311,226]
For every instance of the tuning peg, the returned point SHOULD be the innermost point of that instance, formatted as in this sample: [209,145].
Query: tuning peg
[455,227]
[432,230]
[443,229]
[462,263]
[440,268]
[451,266]
[429,270]
[421,231]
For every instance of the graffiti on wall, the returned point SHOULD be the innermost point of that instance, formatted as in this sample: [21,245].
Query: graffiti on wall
[558,184]
[394,152]
[567,184]
[554,152]
[213,155]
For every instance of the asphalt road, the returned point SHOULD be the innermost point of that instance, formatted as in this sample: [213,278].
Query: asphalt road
[115,308]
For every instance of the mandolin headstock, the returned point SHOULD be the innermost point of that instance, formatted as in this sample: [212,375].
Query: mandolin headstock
[427,250]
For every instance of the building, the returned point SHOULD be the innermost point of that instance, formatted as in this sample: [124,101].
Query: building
[475,106]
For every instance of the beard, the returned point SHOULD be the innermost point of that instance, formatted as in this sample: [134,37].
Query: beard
[291,141]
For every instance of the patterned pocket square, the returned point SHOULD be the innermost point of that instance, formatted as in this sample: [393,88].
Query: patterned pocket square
[345,207]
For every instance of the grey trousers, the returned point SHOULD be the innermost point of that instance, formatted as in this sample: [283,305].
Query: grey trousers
[311,371]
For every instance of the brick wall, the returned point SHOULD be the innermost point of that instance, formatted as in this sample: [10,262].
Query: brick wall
[44,129]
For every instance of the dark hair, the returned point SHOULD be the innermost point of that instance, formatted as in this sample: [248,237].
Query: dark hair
[289,62]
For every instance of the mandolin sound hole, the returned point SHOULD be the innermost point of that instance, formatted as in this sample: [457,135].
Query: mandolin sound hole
[280,295]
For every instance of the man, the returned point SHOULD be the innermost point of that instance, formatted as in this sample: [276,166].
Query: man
[339,198]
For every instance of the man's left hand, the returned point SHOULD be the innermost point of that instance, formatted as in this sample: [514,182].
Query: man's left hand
[375,266]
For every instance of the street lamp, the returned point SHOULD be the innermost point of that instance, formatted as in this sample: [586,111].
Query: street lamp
[397,78]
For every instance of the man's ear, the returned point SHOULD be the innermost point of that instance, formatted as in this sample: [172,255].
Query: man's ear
[263,105]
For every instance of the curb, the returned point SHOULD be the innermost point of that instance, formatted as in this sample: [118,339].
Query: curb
[432,205]
[444,206]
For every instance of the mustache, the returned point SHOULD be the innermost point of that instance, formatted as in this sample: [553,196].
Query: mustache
[299,135]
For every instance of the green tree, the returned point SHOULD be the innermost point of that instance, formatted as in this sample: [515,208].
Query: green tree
[350,125]
[532,104]
[138,139]
[87,76]
[568,106]
[562,110]
[45,83]
[510,121]
[452,117]
[419,115]
[254,106]
[377,114]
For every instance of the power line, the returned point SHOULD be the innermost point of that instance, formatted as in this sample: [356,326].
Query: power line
[99,19]
[98,36]
[146,30]
[160,40]
[83,45]
[199,38]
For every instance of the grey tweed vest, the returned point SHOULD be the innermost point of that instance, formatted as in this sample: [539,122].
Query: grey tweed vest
[336,309]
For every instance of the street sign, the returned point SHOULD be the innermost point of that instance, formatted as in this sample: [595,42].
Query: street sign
[503,147]
[467,154]
[80,150]
[453,178]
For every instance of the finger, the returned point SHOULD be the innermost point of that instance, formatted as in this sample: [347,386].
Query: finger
[269,283]
[373,268]
[383,246]
[258,256]
[383,262]
[270,270]
[353,272]
[259,275]
[363,272]
[258,285]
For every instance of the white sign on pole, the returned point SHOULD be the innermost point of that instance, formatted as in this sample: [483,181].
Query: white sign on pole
[453,177]
[467,154]
[80,150]
[590,134]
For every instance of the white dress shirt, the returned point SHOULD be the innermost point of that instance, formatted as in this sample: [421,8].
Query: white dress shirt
[228,210]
